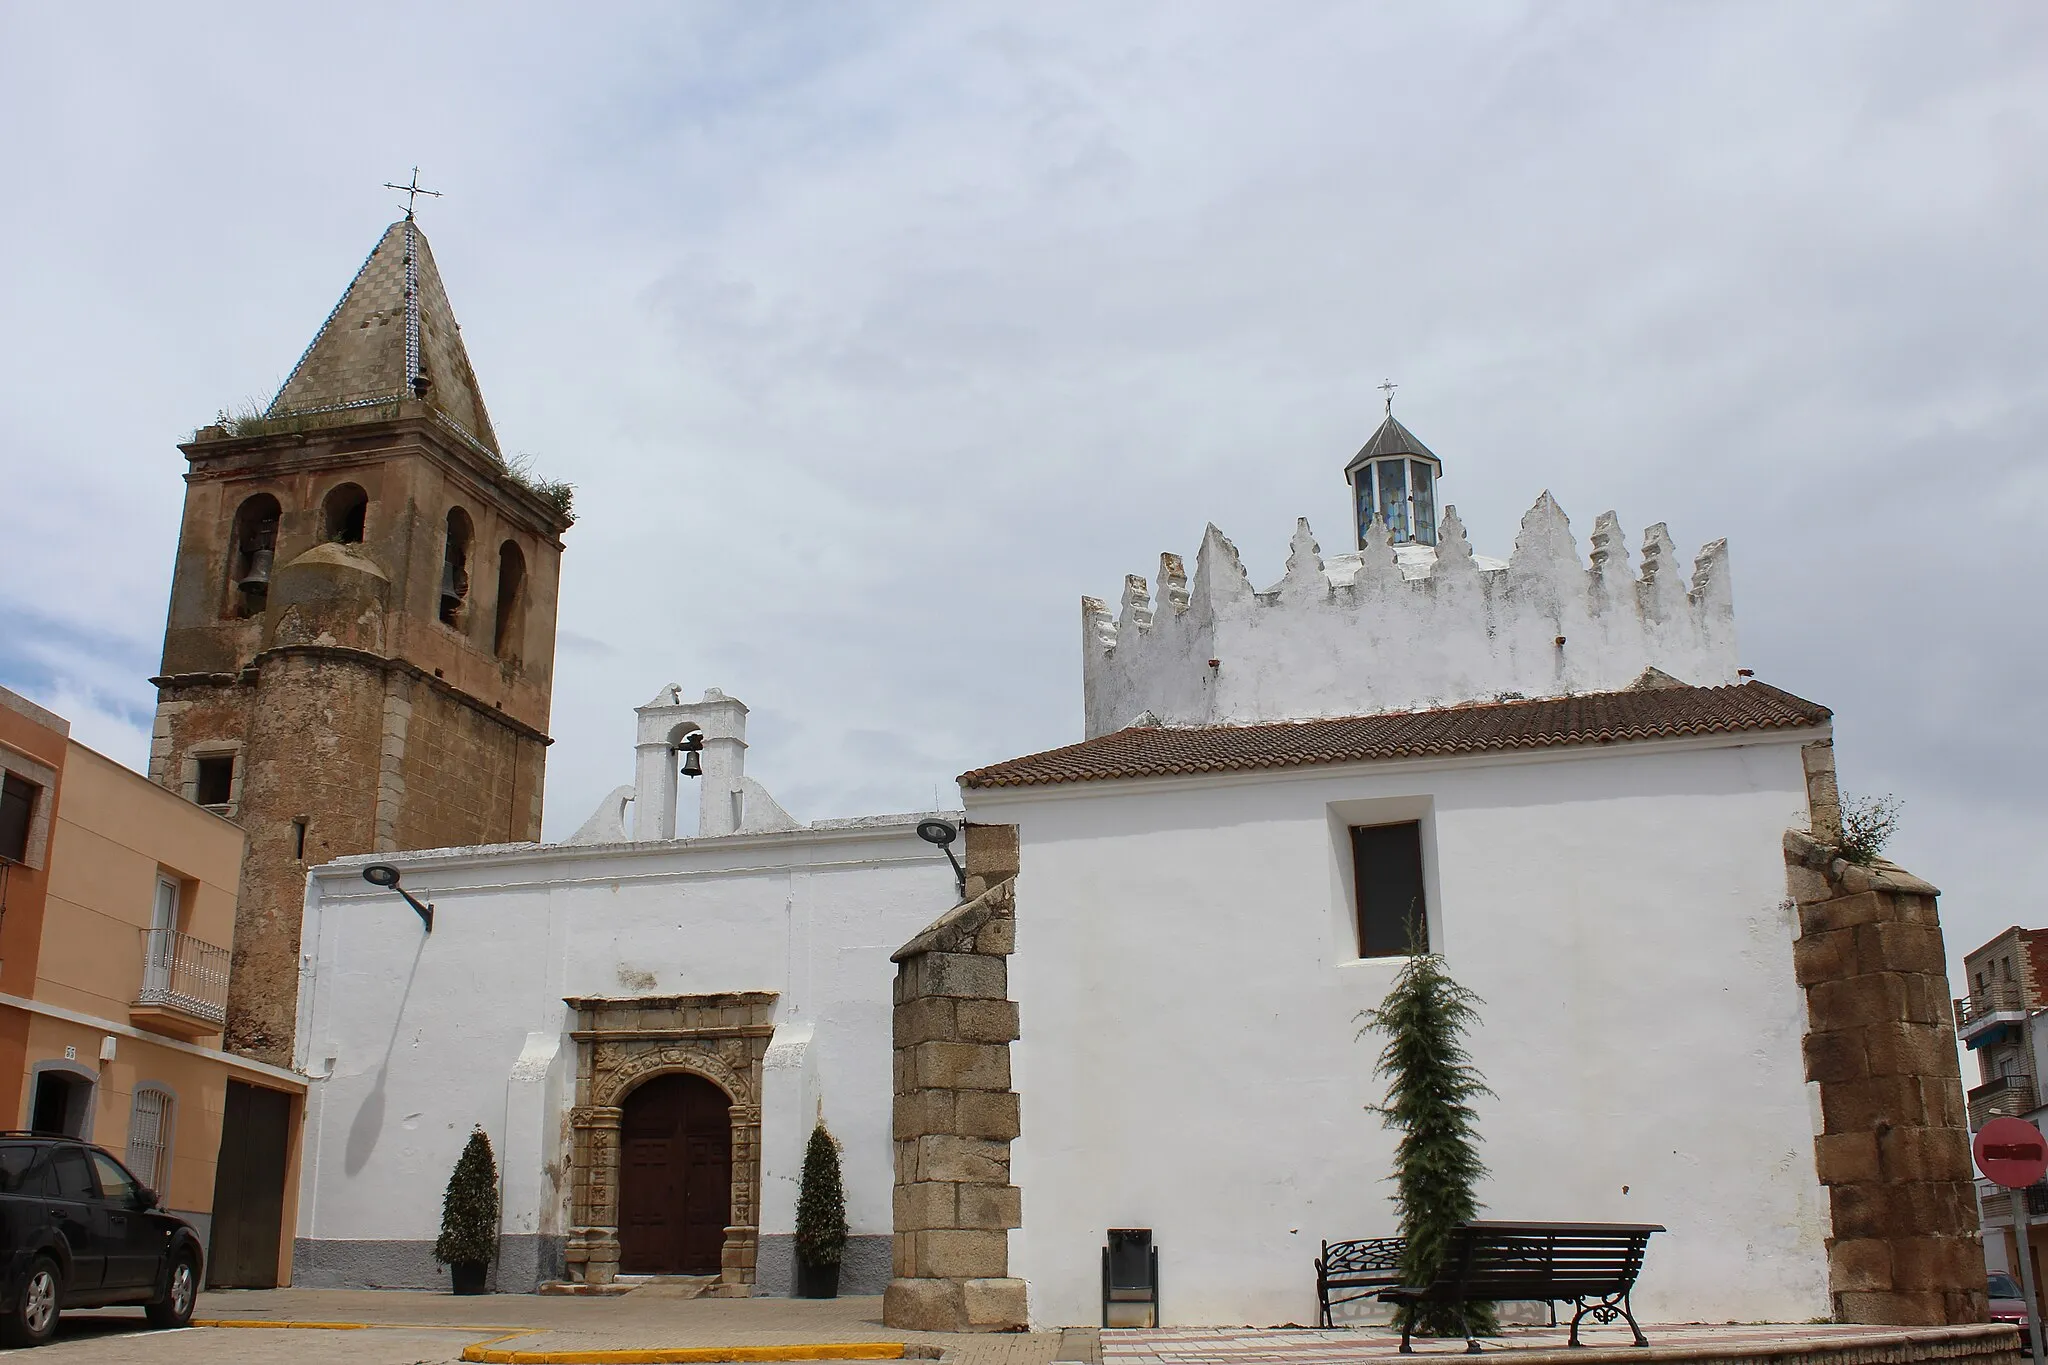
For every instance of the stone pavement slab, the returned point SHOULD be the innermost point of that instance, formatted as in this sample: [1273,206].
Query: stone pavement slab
[1701,1343]
[640,1321]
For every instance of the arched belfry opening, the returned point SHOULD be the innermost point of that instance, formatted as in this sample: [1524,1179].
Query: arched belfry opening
[252,553]
[455,569]
[343,513]
[675,1176]
[508,632]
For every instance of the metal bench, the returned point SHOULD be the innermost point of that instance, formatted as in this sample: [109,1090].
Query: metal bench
[1367,1266]
[1594,1265]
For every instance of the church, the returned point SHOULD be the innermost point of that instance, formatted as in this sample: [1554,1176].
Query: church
[1136,1004]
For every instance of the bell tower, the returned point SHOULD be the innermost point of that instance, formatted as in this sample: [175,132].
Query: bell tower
[360,647]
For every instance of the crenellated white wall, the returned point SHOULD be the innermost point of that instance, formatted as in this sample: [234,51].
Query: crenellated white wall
[1403,628]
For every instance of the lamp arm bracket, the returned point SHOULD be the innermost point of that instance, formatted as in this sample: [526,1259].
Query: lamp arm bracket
[425,912]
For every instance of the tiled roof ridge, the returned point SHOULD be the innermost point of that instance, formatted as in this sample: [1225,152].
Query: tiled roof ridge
[1466,727]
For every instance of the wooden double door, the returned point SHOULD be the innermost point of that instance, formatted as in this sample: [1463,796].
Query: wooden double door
[675,1177]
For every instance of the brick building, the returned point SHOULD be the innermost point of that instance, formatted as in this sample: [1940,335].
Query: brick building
[360,646]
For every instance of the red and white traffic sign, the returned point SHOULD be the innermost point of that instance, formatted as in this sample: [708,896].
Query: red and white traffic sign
[2011,1152]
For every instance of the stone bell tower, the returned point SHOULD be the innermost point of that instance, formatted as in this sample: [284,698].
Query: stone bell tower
[361,639]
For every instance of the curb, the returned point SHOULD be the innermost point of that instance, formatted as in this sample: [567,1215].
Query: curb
[360,1326]
[692,1355]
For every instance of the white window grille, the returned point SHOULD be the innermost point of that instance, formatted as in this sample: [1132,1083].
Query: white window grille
[149,1139]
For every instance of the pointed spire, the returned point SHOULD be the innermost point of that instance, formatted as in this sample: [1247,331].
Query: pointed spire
[391,337]
[1379,567]
[1219,572]
[1137,607]
[1611,578]
[1453,550]
[1173,582]
[1304,564]
[1391,438]
[1545,544]
[1097,626]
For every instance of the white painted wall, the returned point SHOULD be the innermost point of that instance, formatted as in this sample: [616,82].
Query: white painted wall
[1403,628]
[1186,977]
[427,1035]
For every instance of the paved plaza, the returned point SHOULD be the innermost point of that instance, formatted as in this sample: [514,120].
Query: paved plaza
[368,1327]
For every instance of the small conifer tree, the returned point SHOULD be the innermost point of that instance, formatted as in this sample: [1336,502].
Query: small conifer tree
[469,1211]
[1431,1084]
[820,1203]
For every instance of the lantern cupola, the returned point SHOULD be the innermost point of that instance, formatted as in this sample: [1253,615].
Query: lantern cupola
[1394,478]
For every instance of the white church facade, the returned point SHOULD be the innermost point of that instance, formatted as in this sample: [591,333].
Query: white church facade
[561,981]
[1550,768]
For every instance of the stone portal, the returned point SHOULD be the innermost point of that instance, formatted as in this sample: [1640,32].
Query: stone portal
[625,1044]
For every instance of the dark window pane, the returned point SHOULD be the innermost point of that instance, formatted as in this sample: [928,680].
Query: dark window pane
[216,780]
[17,808]
[74,1174]
[1387,866]
[18,1171]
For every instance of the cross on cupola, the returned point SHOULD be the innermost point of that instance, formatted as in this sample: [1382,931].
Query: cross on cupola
[1393,479]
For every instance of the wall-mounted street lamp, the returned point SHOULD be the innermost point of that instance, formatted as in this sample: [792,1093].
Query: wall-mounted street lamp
[692,746]
[942,833]
[384,874]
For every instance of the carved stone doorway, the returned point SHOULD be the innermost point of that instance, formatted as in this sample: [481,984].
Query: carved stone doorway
[675,1177]
[625,1043]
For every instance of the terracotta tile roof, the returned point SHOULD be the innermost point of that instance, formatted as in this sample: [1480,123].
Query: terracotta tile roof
[1597,718]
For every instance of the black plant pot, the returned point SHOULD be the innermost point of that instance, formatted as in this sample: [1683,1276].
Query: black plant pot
[468,1276]
[816,1281]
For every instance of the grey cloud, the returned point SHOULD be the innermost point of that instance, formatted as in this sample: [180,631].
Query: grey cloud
[872,341]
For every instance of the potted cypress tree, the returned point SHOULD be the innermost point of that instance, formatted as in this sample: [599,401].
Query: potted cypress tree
[820,1219]
[469,1217]
[1431,1084]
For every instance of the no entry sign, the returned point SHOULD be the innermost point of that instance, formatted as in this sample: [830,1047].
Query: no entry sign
[2011,1152]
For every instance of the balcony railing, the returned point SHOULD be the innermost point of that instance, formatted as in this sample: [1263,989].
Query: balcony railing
[1999,997]
[185,976]
[2003,1096]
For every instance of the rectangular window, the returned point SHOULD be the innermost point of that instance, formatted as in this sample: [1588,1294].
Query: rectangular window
[17,810]
[1393,500]
[1386,865]
[1420,480]
[216,784]
[149,1138]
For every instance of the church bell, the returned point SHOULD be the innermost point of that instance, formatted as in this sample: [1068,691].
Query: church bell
[451,587]
[256,578]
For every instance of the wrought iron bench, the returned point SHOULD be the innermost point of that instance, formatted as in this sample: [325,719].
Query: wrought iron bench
[1367,1266]
[1594,1265]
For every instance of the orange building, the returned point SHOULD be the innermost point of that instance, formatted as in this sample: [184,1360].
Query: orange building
[117,915]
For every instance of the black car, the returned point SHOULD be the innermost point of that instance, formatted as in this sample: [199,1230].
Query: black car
[78,1231]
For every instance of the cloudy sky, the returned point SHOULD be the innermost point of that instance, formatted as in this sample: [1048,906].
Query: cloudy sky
[874,335]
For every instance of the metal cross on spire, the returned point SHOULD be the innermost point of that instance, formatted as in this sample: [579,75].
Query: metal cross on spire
[412,192]
[1387,386]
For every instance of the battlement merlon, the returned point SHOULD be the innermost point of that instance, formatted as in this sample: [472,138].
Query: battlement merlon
[1405,627]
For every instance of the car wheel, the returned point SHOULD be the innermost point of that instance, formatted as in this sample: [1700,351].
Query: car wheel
[181,1294]
[34,1319]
